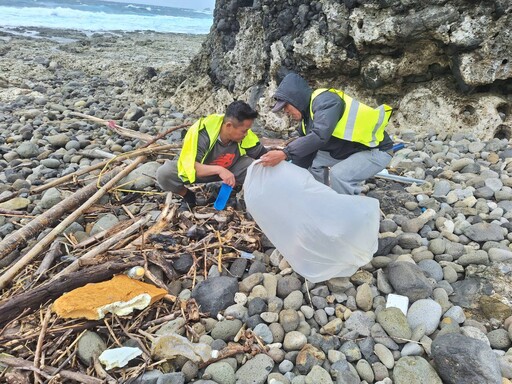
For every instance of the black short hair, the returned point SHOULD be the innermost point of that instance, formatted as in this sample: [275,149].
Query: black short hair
[240,111]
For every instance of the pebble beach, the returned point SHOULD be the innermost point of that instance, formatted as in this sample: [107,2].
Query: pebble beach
[433,306]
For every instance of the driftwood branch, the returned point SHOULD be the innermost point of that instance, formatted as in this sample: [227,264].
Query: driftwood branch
[11,273]
[12,306]
[104,246]
[49,218]
[17,363]
[91,168]
[53,252]
[116,128]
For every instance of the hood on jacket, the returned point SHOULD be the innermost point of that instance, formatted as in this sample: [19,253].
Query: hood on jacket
[295,91]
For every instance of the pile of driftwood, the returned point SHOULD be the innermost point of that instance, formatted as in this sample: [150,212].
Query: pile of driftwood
[38,346]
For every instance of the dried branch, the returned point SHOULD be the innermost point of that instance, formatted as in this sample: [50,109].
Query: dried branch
[46,371]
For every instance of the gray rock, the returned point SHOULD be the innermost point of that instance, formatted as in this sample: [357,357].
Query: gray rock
[383,283]
[27,150]
[171,378]
[150,377]
[90,345]
[256,306]
[441,188]
[50,198]
[286,285]
[344,373]
[384,355]
[141,177]
[395,324]
[414,369]
[133,114]
[263,331]
[51,163]
[437,246]
[285,366]
[409,280]
[461,359]
[484,232]
[499,255]
[247,284]
[506,366]
[339,284]
[215,294]
[221,372]
[58,141]
[289,319]
[318,375]
[456,313]
[499,339]
[467,291]
[380,336]
[426,312]
[364,297]
[237,311]
[387,225]
[493,183]
[474,257]
[360,323]
[410,240]
[255,370]
[411,349]
[183,263]
[365,371]
[238,267]
[226,330]
[351,351]
[431,269]
[105,222]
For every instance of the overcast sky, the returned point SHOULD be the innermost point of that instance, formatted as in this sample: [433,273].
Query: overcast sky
[191,4]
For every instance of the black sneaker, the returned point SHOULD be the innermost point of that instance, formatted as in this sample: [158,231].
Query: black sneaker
[184,206]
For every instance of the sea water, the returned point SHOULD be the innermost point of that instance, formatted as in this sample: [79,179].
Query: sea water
[96,16]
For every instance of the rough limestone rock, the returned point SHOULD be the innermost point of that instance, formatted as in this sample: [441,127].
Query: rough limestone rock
[444,66]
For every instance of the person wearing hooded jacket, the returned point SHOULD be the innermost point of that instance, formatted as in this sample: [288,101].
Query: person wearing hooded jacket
[341,141]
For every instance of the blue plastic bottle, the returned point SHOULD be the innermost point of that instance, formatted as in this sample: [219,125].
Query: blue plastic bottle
[398,147]
[222,197]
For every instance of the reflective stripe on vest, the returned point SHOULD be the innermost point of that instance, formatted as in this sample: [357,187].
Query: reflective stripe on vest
[212,124]
[357,120]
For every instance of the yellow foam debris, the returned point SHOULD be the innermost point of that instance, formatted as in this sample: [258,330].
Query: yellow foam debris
[120,295]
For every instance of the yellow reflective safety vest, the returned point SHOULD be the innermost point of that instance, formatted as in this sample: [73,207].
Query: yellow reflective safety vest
[359,123]
[212,124]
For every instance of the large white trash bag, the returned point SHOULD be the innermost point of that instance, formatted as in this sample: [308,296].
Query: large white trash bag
[321,233]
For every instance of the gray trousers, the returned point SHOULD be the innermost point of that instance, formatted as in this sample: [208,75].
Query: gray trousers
[168,179]
[346,176]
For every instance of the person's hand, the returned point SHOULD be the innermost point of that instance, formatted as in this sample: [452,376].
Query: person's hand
[227,177]
[272,158]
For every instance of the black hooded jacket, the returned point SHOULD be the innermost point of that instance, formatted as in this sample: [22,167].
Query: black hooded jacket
[328,108]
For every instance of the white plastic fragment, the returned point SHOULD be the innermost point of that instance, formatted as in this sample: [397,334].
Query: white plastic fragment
[123,308]
[118,357]
[398,301]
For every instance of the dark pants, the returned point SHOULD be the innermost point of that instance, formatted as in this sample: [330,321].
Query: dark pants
[168,179]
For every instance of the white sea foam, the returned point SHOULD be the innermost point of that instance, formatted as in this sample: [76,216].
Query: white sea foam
[105,18]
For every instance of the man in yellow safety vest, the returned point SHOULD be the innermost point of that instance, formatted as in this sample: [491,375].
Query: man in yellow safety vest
[342,141]
[218,147]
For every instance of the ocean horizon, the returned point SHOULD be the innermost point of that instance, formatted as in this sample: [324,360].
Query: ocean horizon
[102,16]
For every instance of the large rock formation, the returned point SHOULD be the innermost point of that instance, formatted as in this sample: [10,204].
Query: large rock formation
[444,65]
